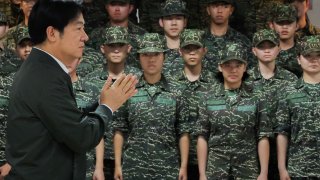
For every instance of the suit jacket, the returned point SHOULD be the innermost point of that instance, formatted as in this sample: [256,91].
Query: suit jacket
[47,134]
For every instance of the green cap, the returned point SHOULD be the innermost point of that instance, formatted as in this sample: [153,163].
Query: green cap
[309,44]
[217,1]
[116,34]
[3,18]
[234,51]
[265,35]
[285,13]
[121,1]
[191,36]
[21,33]
[151,42]
[173,7]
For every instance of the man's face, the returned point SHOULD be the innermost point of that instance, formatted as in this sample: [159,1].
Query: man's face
[310,63]
[23,49]
[116,52]
[266,51]
[26,6]
[220,12]
[151,63]
[192,54]
[285,29]
[232,72]
[70,44]
[302,6]
[173,25]
[119,12]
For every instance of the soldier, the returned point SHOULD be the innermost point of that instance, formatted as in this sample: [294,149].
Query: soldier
[94,14]
[116,49]
[284,22]
[267,79]
[25,6]
[306,28]
[219,33]
[149,14]
[23,43]
[91,60]
[173,20]
[298,117]
[4,27]
[118,11]
[233,128]
[154,122]
[196,80]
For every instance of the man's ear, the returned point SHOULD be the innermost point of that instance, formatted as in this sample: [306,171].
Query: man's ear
[102,49]
[52,33]
[161,22]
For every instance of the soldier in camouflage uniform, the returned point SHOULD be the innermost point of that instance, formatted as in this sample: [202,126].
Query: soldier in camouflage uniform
[23,43]
[284,22]
[173,20]
[4,26]
[251,15]
[233,127]
[267,79]
[118,11]
[306,28]
[94,14]
[91,60]
[195,81]
[298,117]
[116,49]
[25,6]
[219,33]
[155,122]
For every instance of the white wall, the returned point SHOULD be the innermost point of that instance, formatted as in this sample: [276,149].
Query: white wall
[314,14]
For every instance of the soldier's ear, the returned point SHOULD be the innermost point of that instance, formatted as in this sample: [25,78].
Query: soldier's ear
[161,22]
[254,51]
[219,68]
[129,48]
[270,23]
[102,49]
[131,7]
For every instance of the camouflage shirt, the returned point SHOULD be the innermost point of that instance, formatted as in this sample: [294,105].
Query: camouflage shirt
[309,30]
[194,91]
[173,62]
[9,62]
[5,83]
[91,60]
[216,45]
[232,121]
[287,59]
[153,120]
[298,117]
[94,15]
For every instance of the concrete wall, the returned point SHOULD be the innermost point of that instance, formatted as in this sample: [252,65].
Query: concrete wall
[314,14]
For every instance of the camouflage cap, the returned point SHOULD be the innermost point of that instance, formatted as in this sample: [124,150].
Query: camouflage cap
[191,36]
[234,51]
[21,33]
[265,35]
[151,42]
[173,7]
[217,1]
[116,34]
[3,18]
[309,44]
[121,1]
[285,13]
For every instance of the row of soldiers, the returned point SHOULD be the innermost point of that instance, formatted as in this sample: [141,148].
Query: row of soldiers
[196,59]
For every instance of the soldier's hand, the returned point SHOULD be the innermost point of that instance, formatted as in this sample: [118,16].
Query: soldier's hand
[4,170]
[119,92]
[118,173]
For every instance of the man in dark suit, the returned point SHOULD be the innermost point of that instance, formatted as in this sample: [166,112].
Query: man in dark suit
[47,134]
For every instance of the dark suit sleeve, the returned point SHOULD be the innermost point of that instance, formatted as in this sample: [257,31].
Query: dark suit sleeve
[66,123]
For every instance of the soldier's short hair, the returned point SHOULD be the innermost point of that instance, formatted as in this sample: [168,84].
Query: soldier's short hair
[265,35]
[309,44]
[151,42]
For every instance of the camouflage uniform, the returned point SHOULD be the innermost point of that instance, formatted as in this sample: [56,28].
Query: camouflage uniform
[5,7]
[91,60]
[3,22]
[298,118]
[9,41]
[309,30]
[149,15]
[94,15]
[216,46]
[253,18]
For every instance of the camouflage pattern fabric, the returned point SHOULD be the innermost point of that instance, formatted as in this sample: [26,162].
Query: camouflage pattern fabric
[268,88]
[254,17]
[309,44]
[115,34]
[91,60]
[173,7]
[309,30]
[216,46]
[9,40]
[198,17]
[21,33]
[265,35]
[284,13]
[5,8]
[94,14]
[133,30]
[5,84]
[232,121]
[3,18]
[151,42]
[153,120]
[149,15]
[194,91]
[233,51]
[298,117]
[9,62]
[191,36]
[287,59]
[173,62]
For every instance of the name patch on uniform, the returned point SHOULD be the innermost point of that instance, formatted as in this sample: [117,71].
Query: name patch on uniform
[297,98]
[247,108]
[216,107]
[166,101]
[136,99]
